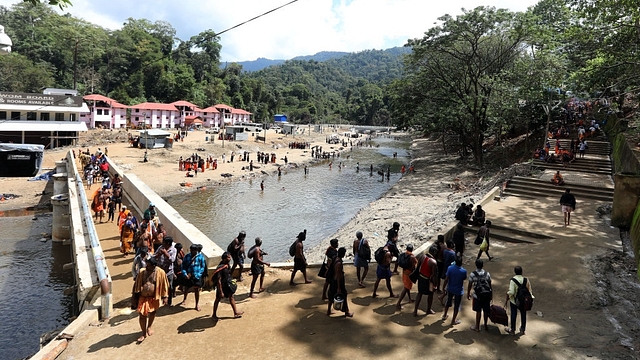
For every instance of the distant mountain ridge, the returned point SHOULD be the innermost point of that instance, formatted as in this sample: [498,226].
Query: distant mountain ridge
[261,63]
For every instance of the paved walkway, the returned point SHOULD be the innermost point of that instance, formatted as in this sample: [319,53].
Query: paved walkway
[290,322]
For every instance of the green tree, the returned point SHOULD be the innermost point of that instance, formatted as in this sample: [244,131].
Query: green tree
[462,60]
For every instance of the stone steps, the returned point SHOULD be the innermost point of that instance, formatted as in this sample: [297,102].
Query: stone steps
[506,234]
[595,147]
[536,188]
[600,167]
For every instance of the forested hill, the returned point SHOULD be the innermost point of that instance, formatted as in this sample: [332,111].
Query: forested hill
[387,59]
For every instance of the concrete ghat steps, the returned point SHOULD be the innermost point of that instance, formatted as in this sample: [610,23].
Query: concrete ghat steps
[595,147]
[573,167]
[537,193]
[500,234]
[544,184]
[589,161]
[579,164]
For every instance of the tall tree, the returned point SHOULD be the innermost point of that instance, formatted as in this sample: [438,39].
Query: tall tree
[462,60]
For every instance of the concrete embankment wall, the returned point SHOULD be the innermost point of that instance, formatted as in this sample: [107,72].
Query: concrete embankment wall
[84,266]
[88,288]
[626,196]
[138,195]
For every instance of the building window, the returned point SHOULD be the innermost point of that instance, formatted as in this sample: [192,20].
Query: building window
[106,111]
[72,117]
[31,115]
[137,110]
[59,116]
[44,116]
[15,115]
[3,115]
[98,111]
[137,119]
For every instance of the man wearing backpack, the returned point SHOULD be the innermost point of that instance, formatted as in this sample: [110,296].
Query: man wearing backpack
[480,281]
[299,260]
[362,256]
[408,262]
[383,271]
[519,290]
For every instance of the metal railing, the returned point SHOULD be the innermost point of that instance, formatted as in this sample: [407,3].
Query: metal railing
[96,250]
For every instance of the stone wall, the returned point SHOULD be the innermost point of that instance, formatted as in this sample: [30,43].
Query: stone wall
[626,162]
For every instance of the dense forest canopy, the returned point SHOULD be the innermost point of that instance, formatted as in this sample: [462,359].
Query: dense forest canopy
[483,73]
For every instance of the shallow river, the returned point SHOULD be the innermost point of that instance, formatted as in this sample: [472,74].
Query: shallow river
[320,202]
[31,284]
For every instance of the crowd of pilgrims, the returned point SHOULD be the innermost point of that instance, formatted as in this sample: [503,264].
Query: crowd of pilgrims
[574,117]
[197,163]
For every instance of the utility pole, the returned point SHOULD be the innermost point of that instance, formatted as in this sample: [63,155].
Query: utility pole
[75,65]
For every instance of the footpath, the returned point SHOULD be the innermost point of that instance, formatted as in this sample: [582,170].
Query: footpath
[568,320]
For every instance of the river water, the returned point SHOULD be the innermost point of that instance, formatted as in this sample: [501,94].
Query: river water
[320,202]
[31,284]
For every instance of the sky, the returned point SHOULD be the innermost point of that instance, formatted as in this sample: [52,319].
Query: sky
[304,27]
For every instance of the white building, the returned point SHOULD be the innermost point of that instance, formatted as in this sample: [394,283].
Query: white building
[155,116]
[104,113]
[47,119]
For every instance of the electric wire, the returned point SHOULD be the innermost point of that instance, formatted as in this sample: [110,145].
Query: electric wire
[256,17]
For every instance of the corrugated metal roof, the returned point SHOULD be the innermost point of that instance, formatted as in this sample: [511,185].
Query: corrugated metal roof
[154,132]
[14,125]
[15,107]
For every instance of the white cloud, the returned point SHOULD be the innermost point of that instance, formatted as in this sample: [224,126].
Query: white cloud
[304,27]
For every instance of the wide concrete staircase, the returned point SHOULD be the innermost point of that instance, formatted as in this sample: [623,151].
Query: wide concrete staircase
[535,187]
[508,234]
[588,177]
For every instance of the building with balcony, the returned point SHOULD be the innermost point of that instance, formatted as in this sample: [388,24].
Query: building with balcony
[104,113]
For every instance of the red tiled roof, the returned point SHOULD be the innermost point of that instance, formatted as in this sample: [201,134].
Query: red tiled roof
[98,97]
[154,106]
[223,106]
[193,119]
[185,103]
[210,109]
[240,111]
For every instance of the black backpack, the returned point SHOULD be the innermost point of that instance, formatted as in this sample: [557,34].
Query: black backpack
[364,252]
[231,248]
[434,249]
[292,248]
[404,261]
[482,286]
[379,254]
[524,300]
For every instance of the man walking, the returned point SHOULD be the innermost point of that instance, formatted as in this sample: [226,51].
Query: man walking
[299,260]
[454,283]
[568,204]
[480,281]
[411,264]
[236,249]
[337,284]
[150,287]
[426,282]
[362,256]
[225,287]
[166,256]
[514,285]
[257,266]
[383,271]
[193,267]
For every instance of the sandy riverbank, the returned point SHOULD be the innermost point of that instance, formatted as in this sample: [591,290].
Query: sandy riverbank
[422,202]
